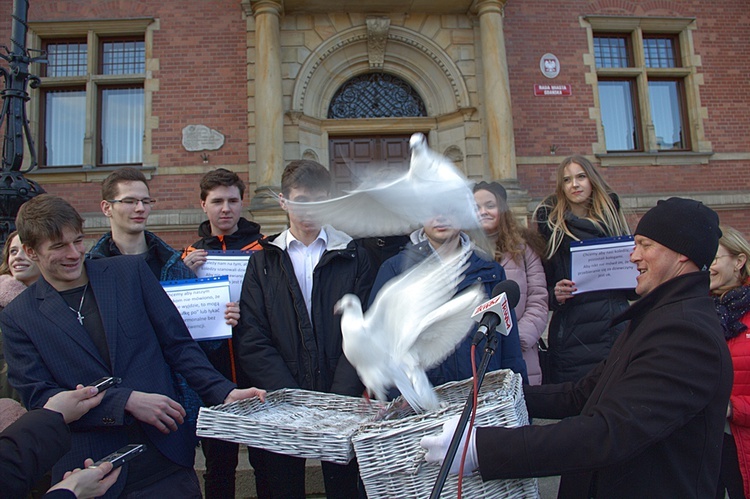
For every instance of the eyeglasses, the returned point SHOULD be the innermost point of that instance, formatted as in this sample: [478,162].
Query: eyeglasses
[717,258]
[133,201]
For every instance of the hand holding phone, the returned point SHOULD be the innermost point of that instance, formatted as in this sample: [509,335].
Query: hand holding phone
[121,456]
[106,382]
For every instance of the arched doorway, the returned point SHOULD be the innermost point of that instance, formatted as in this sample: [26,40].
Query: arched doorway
[354,158]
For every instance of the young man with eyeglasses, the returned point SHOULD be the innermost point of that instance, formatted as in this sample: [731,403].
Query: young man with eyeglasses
[127,203]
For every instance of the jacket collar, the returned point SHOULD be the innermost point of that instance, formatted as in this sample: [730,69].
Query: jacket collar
[337,240]
[245,229]
[692,285]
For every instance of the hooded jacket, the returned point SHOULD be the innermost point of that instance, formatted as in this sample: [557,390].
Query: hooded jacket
[487,272]
[172,268]
[579,334]
[279,345]
[246,238]
[646,422]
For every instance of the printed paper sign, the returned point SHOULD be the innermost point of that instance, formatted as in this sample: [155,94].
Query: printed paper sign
[228,263]
[202,303]
[600,264]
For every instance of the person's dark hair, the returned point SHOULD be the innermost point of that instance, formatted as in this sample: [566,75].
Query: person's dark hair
[4,267]
[44,217]
[221,177]
[512,237]
[307,174]
[110,186]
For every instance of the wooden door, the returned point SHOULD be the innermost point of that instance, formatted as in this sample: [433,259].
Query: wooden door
[357,159]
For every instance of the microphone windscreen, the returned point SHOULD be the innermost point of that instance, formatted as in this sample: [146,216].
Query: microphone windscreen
[511,290]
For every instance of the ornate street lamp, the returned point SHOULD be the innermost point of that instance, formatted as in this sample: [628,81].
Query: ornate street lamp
[14,188]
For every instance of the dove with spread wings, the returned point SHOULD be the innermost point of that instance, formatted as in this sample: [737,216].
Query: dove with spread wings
[432,185]
[415,322]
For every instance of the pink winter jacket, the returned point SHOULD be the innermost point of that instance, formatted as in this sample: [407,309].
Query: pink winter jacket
[532,308]
[9,289]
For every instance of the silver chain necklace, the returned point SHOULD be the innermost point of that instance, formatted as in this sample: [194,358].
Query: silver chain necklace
[80,306]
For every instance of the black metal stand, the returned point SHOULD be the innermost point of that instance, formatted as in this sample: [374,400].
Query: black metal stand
[489,351]
[14,188]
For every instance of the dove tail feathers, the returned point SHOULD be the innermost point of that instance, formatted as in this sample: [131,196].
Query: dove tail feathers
[420,395]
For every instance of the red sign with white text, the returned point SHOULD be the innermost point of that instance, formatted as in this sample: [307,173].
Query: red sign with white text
[541,90]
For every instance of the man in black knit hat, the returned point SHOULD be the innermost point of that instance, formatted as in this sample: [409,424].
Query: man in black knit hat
[648,420]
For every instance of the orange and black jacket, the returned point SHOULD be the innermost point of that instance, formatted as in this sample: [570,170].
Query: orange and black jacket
[247,238]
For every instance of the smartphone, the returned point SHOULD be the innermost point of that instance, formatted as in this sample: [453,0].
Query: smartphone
[121,456]
[106,382]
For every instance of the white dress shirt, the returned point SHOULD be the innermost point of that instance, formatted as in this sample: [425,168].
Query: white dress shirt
[304,260]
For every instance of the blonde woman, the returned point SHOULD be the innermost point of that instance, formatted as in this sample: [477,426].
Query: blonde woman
[583,207]
[730,287]
[518,249]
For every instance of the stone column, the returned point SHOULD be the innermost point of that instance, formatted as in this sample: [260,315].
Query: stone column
[497,104]
[269,113]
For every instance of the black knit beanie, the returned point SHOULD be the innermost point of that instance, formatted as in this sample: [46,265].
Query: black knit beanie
[683,225]
[495,188]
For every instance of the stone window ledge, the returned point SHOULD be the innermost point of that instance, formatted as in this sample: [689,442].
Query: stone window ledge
[654,159]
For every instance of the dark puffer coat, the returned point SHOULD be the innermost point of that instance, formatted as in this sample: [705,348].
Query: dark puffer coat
[278,346]
[580,334]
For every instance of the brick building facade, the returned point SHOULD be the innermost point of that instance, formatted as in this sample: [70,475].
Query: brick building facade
[264,74]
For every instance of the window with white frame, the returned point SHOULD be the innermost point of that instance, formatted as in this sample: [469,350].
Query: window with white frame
[645,80]
[91,102]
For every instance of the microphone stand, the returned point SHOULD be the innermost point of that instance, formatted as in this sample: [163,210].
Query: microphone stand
[489,351]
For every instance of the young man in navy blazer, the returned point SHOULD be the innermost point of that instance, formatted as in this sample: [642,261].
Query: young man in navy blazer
[89,318]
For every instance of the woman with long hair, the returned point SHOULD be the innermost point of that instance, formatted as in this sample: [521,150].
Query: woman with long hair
[17,272]
[583,207]
[730,287]
[518,250]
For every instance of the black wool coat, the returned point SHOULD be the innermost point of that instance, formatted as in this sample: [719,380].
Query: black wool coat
[646,422]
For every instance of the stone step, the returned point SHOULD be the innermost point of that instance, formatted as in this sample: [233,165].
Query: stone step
[245,478]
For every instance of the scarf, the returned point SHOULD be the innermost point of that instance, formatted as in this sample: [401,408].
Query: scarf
[731,306]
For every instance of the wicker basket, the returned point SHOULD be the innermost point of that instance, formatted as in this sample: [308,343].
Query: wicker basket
[294,422]
[391,461]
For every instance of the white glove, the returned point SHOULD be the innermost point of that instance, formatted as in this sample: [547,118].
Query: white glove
[437,447]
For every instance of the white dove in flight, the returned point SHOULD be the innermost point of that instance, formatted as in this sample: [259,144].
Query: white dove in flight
[431,186]
[414,323]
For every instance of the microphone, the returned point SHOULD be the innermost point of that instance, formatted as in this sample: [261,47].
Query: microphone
[496,310]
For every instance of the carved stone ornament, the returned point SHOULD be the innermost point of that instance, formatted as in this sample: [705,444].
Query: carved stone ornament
[377,35]
[201,138]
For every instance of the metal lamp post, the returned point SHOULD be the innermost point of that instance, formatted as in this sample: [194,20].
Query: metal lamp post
[14,188]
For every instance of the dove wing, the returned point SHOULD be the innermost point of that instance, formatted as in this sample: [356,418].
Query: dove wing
[402,303]
[431,284]
[385,210]
[445,328]
[433,185]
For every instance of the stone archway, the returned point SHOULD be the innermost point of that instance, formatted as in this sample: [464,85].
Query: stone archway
[408,55]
